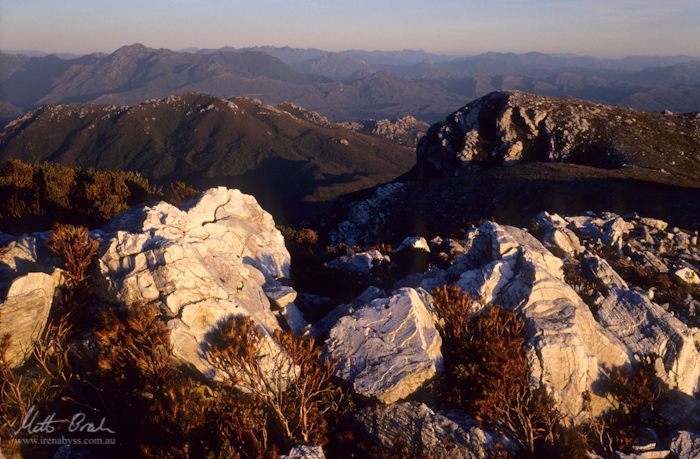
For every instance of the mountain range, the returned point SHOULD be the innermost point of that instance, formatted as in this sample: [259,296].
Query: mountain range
[344,86]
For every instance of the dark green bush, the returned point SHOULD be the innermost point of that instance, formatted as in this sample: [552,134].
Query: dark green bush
[35,196]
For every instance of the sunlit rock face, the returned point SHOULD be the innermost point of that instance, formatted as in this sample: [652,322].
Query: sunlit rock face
[388,348]
[200,264]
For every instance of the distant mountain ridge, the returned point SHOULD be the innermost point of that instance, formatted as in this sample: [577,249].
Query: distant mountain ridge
[135,73]
[351,85]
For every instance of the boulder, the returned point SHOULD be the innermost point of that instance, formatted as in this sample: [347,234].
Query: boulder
[654,223]
[388,348]
[414,243]
[614,231]
[420,430]
[586,226]
[570,348]
[600,272]
[687,276]
[25,311]
[645,328]
[242,228]
[17,257]
[321,328]
[563,241]
[649,260]
[686,444]
[280,295]
[359,263]
[199,264]
[305,452]
[557,237]
[453,247]
[294,318]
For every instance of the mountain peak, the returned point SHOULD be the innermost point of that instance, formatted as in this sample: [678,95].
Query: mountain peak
[131,50]
[507,127]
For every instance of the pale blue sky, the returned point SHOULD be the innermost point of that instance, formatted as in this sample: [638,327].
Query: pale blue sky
[598,27]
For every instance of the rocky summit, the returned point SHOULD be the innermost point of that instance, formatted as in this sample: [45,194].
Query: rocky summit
[508,127]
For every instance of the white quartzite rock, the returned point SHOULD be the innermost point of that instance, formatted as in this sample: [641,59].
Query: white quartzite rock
[570,347]
[17,254]
[305,452]
[415,243]
[322,327]
[280,295]
[201,264]
[558,238]
[687,276]
[603,274]
[654,223]
[427,433]
[294,318]
[388,348]
[25,310]
[686,445]
[359,263]
[614,231]
[645,327]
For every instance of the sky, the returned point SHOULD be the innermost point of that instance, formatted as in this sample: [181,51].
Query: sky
[610,28]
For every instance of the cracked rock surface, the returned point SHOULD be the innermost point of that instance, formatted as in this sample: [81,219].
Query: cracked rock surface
[199,264]
[570,347]
[388,348]
[646,328]
[25,311]
[507,127]
[426,432]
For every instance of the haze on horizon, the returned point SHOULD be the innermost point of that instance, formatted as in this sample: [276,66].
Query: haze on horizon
[594,27]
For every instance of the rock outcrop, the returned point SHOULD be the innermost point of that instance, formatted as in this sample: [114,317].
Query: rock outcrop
[646,329]
[359,263]
[199,264]
[388,348]
[218,256]
[422,431]
[508,127]
[305,452]
[628,312]
[686,444]
[405,131]
[365,217]
[570,348]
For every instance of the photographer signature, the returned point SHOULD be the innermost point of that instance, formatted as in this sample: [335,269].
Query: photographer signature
[78,423]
